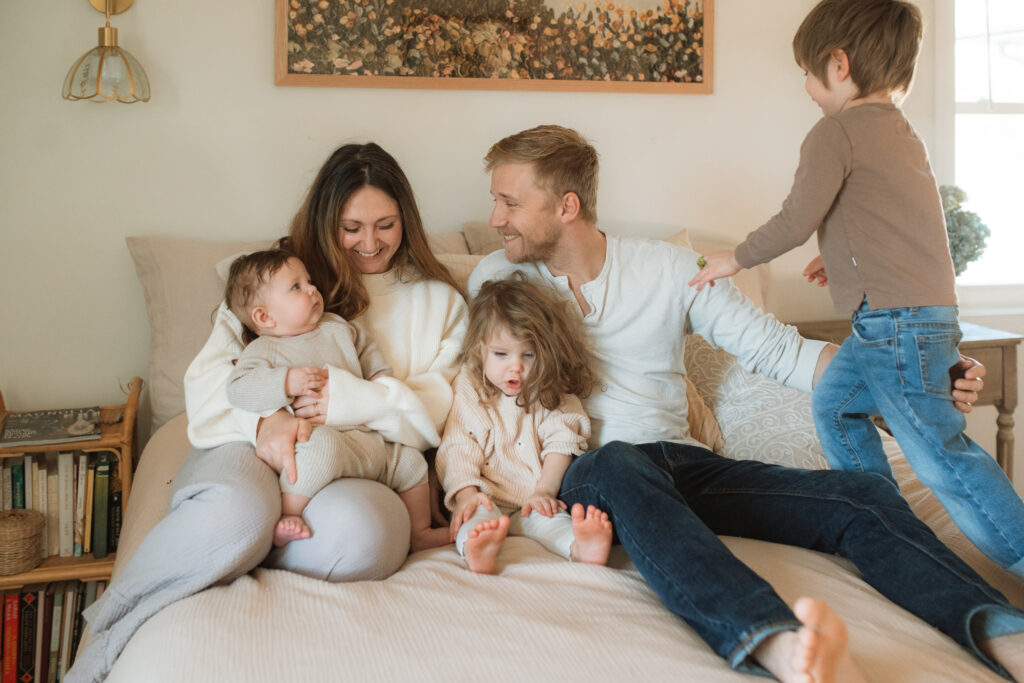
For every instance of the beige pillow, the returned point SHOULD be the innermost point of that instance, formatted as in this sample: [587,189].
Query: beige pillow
[482,238]
[701,421]
[182,289]
[460,266]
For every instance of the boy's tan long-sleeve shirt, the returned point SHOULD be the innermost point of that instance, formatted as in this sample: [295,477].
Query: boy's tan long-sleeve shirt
[865,185]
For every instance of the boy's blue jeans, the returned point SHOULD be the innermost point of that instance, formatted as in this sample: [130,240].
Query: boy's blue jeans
[668,501]
[896,364]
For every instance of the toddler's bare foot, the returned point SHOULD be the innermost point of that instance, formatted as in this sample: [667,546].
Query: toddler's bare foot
[290,528]
[821,655]
[430,538]
[593,535]
[483,543]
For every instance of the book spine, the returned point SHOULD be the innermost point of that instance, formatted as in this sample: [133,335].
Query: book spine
[29,481]
[27,637]
[42,672]
[100,504]
[90,485]
[55,629]
[10,637]
[18,484]
[42,503]
[79,528]
[5,484]
[114,533]
[52,506]
[68,628]
[42,631]
[65,471]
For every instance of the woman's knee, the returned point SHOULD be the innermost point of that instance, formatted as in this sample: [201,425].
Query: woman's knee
[360,529]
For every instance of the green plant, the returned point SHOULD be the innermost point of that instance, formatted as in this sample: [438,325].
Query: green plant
[967,234]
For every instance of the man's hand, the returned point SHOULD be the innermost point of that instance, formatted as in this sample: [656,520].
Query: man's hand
[276,437]
[968,381]
[717,264]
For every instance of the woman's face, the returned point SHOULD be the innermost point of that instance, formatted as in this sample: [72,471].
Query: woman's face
[370,229]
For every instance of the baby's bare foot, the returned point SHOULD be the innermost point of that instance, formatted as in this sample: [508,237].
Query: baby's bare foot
[430,538]
[821,654]
[593,535]
[290,528]
[483,543]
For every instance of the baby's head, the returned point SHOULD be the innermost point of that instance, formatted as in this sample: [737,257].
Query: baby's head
[881,39]
[523,341]
[271,294]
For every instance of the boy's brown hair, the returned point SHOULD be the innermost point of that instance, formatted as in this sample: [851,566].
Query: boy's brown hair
[881,38]
[246,279]
[563,161]
[533,315]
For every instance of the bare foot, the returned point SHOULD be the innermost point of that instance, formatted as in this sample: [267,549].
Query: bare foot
[817,653]
[822,655]
[483,543]
[290,528]
[430,538]
[593,535]
[1008,650]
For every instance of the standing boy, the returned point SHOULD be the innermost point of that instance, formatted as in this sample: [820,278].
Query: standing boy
[864,184]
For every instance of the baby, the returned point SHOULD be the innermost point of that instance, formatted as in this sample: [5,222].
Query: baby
[290,340]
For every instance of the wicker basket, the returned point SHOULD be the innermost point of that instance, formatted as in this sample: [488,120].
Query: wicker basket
[20,538]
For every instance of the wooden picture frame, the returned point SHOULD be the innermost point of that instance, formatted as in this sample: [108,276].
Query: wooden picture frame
[638,46]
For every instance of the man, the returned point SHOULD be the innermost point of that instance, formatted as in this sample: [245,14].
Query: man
[667,495]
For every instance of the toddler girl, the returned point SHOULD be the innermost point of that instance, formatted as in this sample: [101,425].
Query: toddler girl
[516,425]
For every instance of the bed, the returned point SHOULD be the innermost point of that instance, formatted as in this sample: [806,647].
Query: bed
[541,618]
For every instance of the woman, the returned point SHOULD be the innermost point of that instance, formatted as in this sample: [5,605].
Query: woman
[360,235]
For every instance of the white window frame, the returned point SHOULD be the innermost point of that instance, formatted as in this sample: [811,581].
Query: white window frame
[974,299]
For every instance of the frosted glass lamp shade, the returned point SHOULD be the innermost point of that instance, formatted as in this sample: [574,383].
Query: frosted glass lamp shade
[107,73]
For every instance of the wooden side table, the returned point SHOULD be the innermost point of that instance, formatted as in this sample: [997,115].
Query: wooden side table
[995,349]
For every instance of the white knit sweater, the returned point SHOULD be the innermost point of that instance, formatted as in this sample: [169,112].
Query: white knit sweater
[641,311]
[418,326]
[499,447]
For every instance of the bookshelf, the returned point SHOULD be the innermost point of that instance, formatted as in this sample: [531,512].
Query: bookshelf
[117,435]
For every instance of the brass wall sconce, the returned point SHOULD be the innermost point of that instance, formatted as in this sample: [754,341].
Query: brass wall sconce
[107,72]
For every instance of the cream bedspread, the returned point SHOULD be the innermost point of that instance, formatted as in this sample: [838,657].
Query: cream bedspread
[542,618]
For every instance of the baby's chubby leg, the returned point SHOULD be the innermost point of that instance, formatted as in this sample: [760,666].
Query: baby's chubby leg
[417,501]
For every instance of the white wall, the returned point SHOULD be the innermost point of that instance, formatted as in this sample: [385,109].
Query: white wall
[221,152]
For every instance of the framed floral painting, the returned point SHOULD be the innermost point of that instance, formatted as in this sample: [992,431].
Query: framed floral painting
[662,46]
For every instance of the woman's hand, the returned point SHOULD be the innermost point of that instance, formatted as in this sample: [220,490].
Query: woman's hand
[968,381]
[466,502]
[717,264]
[815,272]
[276,437]
[543,501]
[313,408]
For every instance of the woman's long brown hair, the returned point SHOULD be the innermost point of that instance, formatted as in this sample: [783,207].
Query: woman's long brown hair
[314,234]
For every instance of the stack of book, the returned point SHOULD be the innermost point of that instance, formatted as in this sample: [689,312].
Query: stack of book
[42,625]
[78,493]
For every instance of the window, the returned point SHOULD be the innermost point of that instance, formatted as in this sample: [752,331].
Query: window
[989,131]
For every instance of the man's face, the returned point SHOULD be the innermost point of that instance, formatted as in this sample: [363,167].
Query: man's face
[525,213]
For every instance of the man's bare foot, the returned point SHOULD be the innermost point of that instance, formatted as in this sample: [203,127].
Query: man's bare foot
[593,535]
[290,528]
[423,539]
[816,653]
[483,543]
[1008,650]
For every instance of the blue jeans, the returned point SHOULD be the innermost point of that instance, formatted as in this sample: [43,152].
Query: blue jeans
[896,364]
[668,501]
